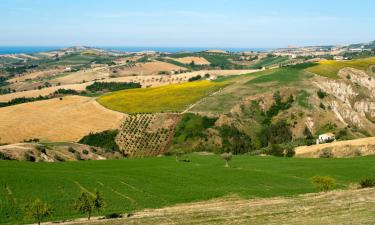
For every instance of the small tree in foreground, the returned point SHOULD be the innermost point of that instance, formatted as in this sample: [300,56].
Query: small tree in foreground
[227,157]
[323,183]
[86,203]
[38,210]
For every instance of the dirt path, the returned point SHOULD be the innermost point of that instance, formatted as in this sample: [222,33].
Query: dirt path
[337,207]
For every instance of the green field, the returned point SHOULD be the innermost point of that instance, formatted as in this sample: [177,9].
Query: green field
[269,61]
[170,98]
[255,83]
[330,68]
[129,185]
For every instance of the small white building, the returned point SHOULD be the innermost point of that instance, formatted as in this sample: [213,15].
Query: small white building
[324,138]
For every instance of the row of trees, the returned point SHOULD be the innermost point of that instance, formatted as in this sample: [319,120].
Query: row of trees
[86,203]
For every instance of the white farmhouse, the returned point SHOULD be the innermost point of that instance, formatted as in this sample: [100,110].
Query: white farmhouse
[324,138]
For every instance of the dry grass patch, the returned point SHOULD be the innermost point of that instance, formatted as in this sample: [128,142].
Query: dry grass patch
[56,120]
[196,60]
[358,147]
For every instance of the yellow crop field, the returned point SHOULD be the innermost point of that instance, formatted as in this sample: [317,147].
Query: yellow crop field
[330,68]
[170,98]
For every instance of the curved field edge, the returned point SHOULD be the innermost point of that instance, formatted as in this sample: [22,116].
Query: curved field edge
[170,98]
[131,185]
[330,68]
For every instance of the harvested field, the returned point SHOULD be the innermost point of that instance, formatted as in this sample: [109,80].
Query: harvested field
[150,68]
[42,92]
[56,120]
[190,59]
[145,81]
[36,75]
[83,76]
[339,149]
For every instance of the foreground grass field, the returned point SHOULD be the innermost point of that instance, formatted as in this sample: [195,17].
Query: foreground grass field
[336,207]
[330,68]
[170,98]
[129,185]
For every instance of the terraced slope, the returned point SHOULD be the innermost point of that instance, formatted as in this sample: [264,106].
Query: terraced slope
[147,134]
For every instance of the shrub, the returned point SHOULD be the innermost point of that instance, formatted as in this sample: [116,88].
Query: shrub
[321,94]
[41,149]
[289,152]
[58,158]
[77,155]
[5,156]
[323,183]
[72,150]
[113,216]
[105,140]
[85,152]
[29,157]
[367,182]
[276,150]
[326,153]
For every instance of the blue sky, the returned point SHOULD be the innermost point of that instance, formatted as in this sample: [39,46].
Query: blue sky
[188,23]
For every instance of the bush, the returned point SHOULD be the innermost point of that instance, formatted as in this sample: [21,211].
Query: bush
[367,182]
[29,157]
[85,152]
[276,150]
[323,183]
[5,156]
[321,94]
[58,158]
[72,150]
[326,153]
[105,140]
[113,216]
[77,155]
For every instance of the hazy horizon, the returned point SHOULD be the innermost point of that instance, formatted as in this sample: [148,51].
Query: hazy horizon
[199,24]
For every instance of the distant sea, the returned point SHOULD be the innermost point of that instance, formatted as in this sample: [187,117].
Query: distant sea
[35,49]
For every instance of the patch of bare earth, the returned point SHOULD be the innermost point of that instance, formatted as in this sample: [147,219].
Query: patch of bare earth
[196,60]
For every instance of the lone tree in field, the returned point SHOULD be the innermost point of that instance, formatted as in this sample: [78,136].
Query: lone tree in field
[227,157]
[87,203]
[38,210]
[323,183]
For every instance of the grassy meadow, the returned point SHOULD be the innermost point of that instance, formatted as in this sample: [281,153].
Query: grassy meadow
[170,98]
[129,185]
[252,84]
[330,68]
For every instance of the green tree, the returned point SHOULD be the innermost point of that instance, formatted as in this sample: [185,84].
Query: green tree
[86,203]
[38,210]
[227,157]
